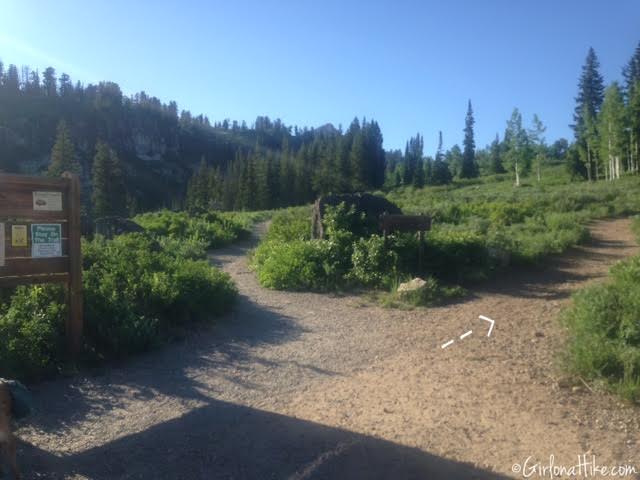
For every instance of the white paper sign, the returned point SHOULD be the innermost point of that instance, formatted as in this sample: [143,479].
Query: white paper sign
[47,201]
[46,240]
[1,244]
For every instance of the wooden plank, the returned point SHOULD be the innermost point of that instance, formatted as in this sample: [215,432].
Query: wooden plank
[405,223]
[19,204]
[34,266]
[28,181]
[34,279]
[75,323]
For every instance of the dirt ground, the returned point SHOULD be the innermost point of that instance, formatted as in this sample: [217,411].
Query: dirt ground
[315,386]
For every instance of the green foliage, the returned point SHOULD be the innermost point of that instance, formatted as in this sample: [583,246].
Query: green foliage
[214,229]
[109,194]
[290,224]
[374,263]
[135,291]
[480,226]
[295,265]
[31,329]
[604,330]
[63,154]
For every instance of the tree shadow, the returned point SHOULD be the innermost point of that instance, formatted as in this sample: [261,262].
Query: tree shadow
[225,440]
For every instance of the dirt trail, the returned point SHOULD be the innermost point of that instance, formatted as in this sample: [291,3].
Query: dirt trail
[309,386]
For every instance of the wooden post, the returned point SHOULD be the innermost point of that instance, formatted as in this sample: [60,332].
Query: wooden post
[420,250]
[74,321]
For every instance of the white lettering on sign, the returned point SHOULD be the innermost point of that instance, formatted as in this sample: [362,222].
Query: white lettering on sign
[46,240]
[1,244]
[47,201]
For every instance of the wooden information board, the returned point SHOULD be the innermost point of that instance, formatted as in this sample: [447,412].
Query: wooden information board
[40,238]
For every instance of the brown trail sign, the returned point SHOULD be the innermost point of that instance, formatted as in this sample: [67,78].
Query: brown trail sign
[407,223]
[40,238]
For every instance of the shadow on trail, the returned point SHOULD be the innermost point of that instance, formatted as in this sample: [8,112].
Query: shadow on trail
[550,279]
[224,350]
[224,440]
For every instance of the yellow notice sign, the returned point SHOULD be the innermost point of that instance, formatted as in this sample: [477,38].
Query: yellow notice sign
[19,236]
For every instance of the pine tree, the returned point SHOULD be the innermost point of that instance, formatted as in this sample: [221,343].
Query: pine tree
[634,128]
[49,82]
[612,131]
[440,172]
[631,72]
[357,162]
[412,156]
[109,194]
[469,167]
[495,156]
[197,189]
[590,92]
[63,155]
[419,175]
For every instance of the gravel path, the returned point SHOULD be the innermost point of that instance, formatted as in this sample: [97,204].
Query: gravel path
[311,386]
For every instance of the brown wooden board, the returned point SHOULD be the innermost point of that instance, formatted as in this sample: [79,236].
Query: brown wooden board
[26,201]
[405,223]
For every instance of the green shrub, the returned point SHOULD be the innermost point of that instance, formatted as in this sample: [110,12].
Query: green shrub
[135,291]
[374,263]
[295,265]
[290,224]
[213,229]
[604,330]
[31,329]
[457,255]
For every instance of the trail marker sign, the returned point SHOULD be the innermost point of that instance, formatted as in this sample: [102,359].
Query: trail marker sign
[40,238]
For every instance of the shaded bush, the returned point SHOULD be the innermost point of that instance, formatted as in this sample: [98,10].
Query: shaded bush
[31,332]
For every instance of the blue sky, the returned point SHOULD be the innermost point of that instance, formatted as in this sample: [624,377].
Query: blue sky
[410,65]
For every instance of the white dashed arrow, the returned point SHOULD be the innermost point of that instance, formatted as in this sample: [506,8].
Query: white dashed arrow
[465,335]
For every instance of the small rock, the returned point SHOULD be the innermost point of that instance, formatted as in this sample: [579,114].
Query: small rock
[412,285]
[539,334]
[577,389]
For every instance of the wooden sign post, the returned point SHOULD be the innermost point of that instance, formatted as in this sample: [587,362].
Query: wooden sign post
[407,223]
[40,239]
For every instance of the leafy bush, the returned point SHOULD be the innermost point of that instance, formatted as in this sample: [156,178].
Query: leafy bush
[290,224]
[31,329]
[213,229]
[295,265]
[135,291]
[373,262]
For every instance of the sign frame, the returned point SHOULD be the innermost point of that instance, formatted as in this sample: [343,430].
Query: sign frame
[20,267]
